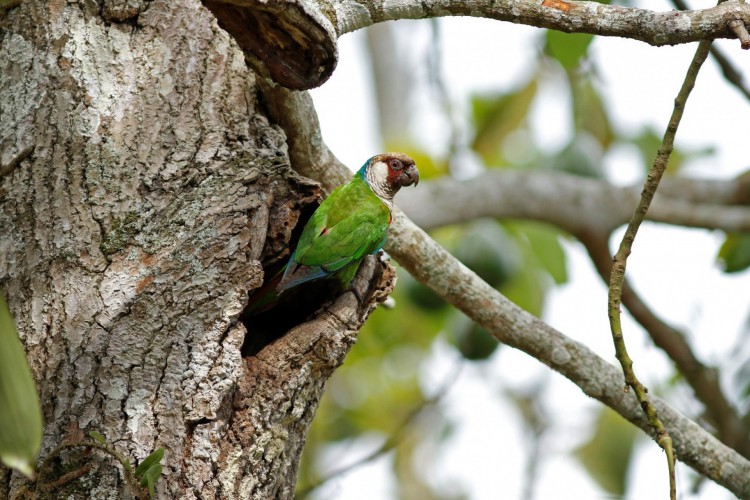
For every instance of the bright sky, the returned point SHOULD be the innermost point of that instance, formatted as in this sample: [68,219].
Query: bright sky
[674,269]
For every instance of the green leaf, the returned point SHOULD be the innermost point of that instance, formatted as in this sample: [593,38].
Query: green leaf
[648,143]
[424,298]
[580,157]
[589,114]
[20,413]
[544,263]
[474,342]
[153,458]
[607,455]
[544,243]
[97,437]
[527,289]
[496,116]
[150,477]
[486,249]
[734,253]
[567,48]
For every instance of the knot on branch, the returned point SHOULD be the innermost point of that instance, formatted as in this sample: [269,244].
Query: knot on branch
[738,28]
[281,39]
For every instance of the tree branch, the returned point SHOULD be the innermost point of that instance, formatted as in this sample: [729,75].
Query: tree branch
[703,380]
[727,68]
[590,209]
[654,28]
[294,41]
[295,113]
[573,203]
[432,265]
[617,276]
[730,72]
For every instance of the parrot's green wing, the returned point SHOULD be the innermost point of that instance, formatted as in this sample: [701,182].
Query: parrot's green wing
[351,223]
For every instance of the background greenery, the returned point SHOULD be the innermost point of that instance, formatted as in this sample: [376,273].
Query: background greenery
[381,405]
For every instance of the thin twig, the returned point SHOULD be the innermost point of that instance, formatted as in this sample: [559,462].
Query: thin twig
[617,278]
[727,68]
[393,440]
[702,379]
[130,480]
[434,267]
[69,477]
[730,72]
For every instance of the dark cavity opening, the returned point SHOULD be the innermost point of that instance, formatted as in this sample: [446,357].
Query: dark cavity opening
[269,322]
[294,308]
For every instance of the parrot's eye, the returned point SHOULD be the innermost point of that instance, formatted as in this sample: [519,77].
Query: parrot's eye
[396,164]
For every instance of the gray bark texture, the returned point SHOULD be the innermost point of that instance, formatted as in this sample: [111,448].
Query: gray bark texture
[142,189]
[294,41]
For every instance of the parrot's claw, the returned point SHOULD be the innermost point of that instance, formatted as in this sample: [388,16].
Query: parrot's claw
[360,299]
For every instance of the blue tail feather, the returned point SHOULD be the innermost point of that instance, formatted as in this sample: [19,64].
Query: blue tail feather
[295,274]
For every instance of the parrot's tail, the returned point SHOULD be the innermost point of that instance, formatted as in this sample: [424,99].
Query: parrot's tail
[265,297]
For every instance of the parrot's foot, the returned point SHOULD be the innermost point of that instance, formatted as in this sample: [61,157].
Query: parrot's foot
[360,299]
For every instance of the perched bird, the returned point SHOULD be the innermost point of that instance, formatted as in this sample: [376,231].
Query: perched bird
[351,223]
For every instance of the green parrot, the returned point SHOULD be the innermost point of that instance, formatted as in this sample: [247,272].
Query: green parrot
[350,224]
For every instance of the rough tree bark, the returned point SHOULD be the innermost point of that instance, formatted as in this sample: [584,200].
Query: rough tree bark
[294,41]
[142,189]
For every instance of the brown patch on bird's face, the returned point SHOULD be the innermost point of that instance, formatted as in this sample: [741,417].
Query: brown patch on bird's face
[395,171]
[401,169]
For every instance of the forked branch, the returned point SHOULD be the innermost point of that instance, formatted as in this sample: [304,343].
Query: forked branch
[617,277]
[435,267]
[295,41]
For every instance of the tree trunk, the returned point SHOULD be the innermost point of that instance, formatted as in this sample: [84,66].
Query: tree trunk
[142,190]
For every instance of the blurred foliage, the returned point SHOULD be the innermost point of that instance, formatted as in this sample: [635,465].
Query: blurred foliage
[567,48]
[429,166]
[488,250]
[380,383]
[474,342]
[581,157]
[734,253]
[589,114]
[496,116]
[542,264]
[20,413]
[741,376]
[607,455]
[648,143]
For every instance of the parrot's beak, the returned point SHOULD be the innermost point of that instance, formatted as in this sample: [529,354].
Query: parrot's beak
[410,176]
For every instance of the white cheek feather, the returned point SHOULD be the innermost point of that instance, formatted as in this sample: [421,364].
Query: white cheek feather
[377,178]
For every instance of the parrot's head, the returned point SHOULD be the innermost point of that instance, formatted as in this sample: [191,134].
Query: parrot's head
[386,173]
